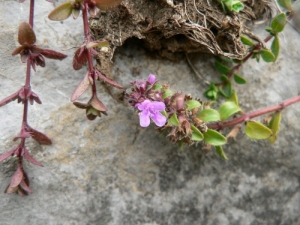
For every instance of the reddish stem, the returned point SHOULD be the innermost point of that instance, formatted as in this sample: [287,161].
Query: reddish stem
[31,13]
[253,114]
[88,51]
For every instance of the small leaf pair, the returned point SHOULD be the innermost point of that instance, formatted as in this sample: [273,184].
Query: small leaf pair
[22,95]
[19,183]
[28,49]
[94,107]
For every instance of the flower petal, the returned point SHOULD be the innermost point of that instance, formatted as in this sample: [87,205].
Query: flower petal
[144,119]
[151,79]
[159,106]
[159,119]
[144,105]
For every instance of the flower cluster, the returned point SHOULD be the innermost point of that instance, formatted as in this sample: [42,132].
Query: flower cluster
[172,112]
[148,101]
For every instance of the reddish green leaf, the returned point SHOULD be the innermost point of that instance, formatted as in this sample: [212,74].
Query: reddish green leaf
[30,158]
[25,187]
[104,78]
[97,104]
[39,136]
[10,98]
[17,50]
[79,59]
[10,190]
[26,34]
[5,155]
[61,12]
[17,177]
[51,54]
[107,4]
[81,88]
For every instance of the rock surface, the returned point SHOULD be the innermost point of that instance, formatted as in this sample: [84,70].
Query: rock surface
[111,171]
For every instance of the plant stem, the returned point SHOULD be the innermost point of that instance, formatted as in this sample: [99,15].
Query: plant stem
[31,12]
[88,38]
[253,114]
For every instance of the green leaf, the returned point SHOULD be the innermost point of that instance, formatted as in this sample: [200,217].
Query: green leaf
[191,104]
[287,4]
[214,138]
[211,92]
[164,113]
[237,6]
[221,68]
[239,79]
[267,55]
[247,41]
[174,120]
[257,131]
[157,87]
[221,152]
[278,23]
[209,115]
[196,134]
[61,12]
[167,93]
[227,109]
[275,47]
[226,90]
[234,98]
[274,125]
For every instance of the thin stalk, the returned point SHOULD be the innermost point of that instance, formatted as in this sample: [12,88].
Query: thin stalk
[88,52]
[31,12]
[253,114]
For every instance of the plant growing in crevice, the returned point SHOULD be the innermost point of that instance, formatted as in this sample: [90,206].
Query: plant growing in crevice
[33,55]
[190,120]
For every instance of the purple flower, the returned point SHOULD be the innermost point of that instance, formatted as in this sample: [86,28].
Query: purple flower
[151,79]
[151,110]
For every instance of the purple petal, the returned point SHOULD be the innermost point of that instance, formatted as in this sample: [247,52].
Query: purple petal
[158,106]
[159,119]
[144,105]
[151,79]
[144,119]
